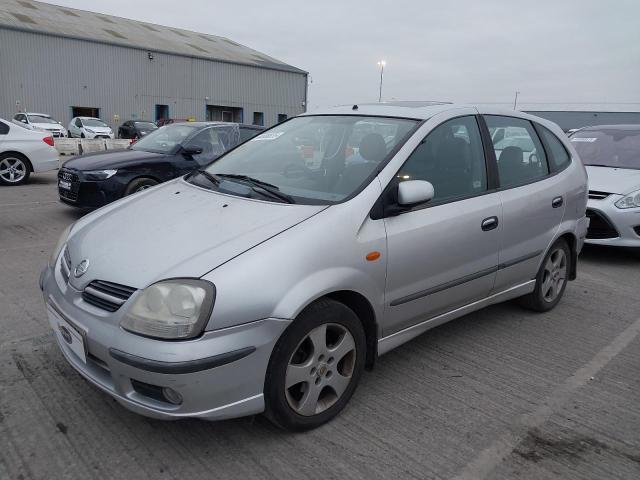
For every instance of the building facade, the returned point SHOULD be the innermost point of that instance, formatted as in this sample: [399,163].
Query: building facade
[67,62]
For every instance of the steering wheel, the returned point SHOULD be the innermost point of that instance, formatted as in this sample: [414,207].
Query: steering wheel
[296,170]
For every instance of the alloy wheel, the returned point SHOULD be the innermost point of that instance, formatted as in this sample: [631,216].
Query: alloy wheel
[554,275]
[320,369]
[12,169]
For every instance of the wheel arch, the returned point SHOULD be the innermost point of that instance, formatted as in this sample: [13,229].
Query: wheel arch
[363,309]
[20,154]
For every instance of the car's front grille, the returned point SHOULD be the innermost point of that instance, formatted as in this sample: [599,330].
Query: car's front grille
[71,177]
[599,226]
[65,265]
[596,195]
[106,295]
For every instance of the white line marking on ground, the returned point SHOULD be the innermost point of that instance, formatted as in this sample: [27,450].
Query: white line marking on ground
[481,466]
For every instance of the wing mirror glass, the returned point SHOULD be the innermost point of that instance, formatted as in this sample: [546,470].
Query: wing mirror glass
[414,192]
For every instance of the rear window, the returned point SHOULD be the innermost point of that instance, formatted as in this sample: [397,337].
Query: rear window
[608,147]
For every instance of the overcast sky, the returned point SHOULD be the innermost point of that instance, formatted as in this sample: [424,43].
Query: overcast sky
[556,53]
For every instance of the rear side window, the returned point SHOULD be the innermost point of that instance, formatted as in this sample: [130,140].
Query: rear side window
[559,156]
[4,128]
[521,158]
[451,158]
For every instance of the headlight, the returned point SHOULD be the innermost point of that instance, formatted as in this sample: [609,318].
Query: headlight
[61,243]
[89,130]
[630,201]
[99,174]
[171,309]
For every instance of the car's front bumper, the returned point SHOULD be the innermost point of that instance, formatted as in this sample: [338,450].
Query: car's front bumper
[611,225]
[89,193]
[218,375]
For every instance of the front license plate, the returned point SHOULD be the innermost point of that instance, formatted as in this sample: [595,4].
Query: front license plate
[68,334]
[64,185]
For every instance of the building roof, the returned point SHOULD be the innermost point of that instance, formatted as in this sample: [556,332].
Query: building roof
[38,17]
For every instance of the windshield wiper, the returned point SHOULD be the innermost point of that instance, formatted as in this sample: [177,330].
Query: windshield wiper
[212,178]
[271,189]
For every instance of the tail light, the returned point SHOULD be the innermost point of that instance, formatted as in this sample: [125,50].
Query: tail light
[48,141]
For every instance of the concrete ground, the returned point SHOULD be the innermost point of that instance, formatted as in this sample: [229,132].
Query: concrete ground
[500,394]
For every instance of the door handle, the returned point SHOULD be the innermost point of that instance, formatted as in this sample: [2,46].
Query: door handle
[557,202]
[489,223]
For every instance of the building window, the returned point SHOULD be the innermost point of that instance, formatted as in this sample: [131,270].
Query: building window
[258,118]
[282,117]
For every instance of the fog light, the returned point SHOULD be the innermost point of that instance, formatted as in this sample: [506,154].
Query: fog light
[172,396]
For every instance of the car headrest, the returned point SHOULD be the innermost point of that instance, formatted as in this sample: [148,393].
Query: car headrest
[511,156]
[453,155]
[372,147]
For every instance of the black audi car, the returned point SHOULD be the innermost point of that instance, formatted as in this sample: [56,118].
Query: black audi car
[171,151]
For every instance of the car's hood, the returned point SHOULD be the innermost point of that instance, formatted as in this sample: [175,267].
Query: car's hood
[174,230]
[112,159]
[613,180]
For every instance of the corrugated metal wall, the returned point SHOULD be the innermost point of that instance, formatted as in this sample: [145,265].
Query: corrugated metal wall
[51,74]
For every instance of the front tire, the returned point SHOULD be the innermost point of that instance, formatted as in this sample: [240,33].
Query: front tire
[315,366]
[139,184]
[551,280]
[14,169]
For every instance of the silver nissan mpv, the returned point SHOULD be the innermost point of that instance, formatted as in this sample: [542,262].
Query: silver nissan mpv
[270,279]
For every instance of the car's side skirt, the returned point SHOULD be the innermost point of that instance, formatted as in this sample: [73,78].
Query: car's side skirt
[388,343]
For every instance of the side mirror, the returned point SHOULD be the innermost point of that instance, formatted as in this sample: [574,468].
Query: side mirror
[192,150]
[414,192]
[23,120]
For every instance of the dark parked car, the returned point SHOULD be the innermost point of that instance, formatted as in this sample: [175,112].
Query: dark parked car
[96,179]
[136,129]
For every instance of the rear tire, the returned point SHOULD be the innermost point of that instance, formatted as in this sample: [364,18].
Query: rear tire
[551,280]
[15,169]
[139,184]
[315,366]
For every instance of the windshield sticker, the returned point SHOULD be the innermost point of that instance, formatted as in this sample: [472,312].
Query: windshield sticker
[585,139]
[267,136]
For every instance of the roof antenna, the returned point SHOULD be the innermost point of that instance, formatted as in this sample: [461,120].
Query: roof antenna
[355,107]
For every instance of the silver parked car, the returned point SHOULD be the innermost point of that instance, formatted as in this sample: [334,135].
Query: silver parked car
[270,279]
[611,154]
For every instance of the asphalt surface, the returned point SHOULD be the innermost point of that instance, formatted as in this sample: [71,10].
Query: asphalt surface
[501,394]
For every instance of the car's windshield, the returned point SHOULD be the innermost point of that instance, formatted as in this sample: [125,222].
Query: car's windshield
[316,159]
[165,139]
[93,122]
[145,126]
[41,119]
[608,147]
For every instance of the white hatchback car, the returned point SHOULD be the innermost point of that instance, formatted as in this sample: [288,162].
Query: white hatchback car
[89,127]
[23,151]
[40,121]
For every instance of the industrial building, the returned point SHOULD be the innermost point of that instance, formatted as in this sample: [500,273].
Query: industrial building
[67,62]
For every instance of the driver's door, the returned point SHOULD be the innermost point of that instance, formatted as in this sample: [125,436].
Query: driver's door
[444,254]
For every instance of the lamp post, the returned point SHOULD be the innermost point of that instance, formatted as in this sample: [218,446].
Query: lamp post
[515,101]
[381,64]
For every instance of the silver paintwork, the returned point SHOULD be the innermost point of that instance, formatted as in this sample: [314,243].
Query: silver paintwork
[413,192]
[269,261]
[618,182]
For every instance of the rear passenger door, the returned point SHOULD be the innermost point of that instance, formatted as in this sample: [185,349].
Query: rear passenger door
[444,254]
[532,195]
